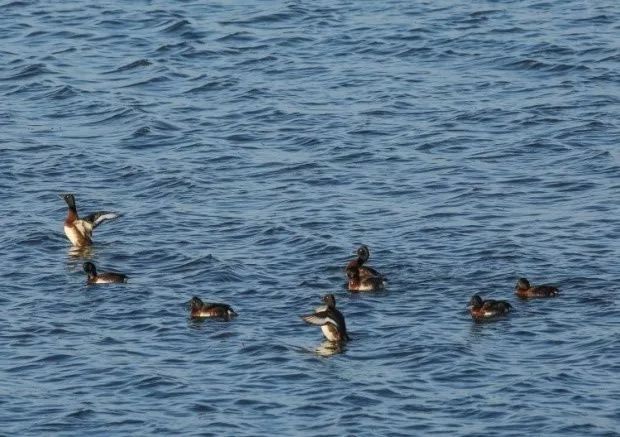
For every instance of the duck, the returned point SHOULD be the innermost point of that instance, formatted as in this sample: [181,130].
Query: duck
[524,290]
[363,253]
[330,320]
[486,309]
[199,309]
[102,278]
[356,282]
[80,230]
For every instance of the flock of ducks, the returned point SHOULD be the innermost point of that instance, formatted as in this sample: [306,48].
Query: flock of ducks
[360,278]
[488,309]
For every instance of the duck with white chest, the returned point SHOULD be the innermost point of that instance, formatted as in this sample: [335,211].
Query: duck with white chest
[329,319]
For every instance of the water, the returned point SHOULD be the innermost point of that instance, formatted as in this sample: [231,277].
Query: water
[251,146]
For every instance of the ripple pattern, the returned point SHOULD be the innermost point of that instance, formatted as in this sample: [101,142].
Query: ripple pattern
[251,146]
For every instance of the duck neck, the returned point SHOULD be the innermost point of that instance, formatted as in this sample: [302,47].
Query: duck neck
[72,215]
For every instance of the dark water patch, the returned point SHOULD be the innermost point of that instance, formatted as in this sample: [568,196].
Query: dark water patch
[132,65]
[261,60]
[141,132]
[29,71]
[151,81]
[237,37]
[36,33]
[66,34]
[508,30]
[16,4]
[597,19]
[165,48]
[290,41]
[214,85]
[550,49]
[118,114]
[176,26]
[537,65]
[273,18]
[56,358]
[202,408]
[229,51]
[62,93]
[82,413]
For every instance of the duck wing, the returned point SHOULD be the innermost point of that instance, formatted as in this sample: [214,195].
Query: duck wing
[373,283]
[495,307]
[320,318]
[546,290]
[112,277]
[219,306]
[96,218]
[367,272]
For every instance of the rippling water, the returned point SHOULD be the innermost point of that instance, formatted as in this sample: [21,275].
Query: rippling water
[251,146]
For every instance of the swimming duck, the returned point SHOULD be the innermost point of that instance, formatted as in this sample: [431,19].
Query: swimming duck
[524,290]
[363,253]
[80,230]
[486,309]
[199,309]
[102,278]
[329,319]
[358,283]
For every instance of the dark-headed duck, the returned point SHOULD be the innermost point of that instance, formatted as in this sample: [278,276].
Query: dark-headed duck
[357,282]
[102,278]
[363,253]
[487,309]
[524,290]
[80,230]
[200,309]
[329,319]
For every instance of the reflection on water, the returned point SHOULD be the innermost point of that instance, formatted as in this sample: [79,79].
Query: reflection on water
[220,326]
[329,348]
[76,253]
[195,322]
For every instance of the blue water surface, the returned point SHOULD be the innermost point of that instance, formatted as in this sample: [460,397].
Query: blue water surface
[251,147]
